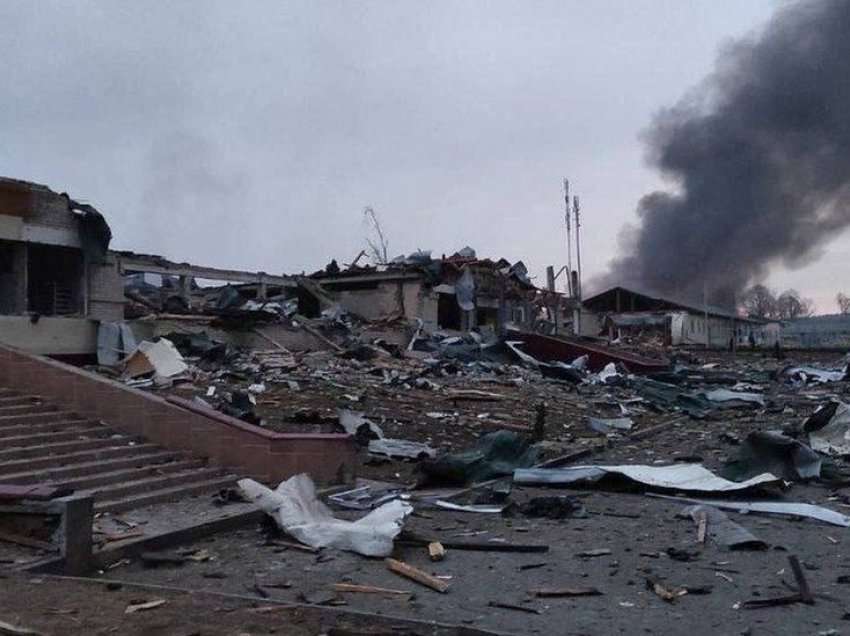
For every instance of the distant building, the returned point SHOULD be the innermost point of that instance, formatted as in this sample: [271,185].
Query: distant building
[817,332]
[620,312]
[460,292]
[57,278]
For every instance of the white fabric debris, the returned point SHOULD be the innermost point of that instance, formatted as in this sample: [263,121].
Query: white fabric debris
[608,371]
[353,421]
[297,510]
[684,477]
[580,363]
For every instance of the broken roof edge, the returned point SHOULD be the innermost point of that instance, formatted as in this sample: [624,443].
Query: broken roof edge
[131,262]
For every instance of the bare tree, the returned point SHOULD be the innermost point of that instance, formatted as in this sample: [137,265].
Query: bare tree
[759,302]
[843,301]
[791,305]
[377,243]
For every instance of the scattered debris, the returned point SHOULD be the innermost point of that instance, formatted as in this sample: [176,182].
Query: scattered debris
[829,429]
[774,507]
[143,606]
[610,425]
[494,455]
[663,592]
[721,529]
[774,453]
[414,574]
[436,551]
[559,592]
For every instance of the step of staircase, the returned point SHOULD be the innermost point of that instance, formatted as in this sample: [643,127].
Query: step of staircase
[73,432]
[164,495]
[158,482]
[52,416]
[9,430]
[80,468]
[44,464]
[37,451]
[128,475]
[26,408]
[20,399]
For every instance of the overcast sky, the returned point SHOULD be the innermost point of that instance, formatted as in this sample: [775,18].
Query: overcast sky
[252,134]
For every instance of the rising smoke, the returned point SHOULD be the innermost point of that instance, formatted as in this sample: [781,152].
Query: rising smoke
[759,155]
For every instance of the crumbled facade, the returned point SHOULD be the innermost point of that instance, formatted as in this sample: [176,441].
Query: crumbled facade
[57,278]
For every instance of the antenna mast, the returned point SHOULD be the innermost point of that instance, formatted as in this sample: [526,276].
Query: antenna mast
[576,209]
[569,237]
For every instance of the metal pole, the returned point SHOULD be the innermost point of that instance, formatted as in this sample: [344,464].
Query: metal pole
[576,209]
[569,237]
[705,309]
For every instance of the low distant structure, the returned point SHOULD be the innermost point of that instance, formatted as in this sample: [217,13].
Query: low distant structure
[625,313]
[817,332]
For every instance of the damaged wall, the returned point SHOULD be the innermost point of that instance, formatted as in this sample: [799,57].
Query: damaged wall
[53,273]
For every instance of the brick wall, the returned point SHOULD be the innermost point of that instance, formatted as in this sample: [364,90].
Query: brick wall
[224,441]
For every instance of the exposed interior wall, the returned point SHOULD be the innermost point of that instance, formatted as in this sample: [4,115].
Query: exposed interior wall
[55,280]
[50,335]
[13,277]
[590,323]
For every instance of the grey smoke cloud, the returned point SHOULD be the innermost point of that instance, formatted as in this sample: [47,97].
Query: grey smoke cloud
[758,157]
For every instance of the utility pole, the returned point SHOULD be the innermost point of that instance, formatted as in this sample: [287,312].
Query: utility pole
[569,238]
[576,209]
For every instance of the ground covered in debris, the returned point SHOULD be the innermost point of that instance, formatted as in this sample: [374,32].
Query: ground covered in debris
[55,606]
[625,543]
[618,559]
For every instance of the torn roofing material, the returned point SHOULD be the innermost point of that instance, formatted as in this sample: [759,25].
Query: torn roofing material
[681,477]
[792,509]
[722,530]
[829,429]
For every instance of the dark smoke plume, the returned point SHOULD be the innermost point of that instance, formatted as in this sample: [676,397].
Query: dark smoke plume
[760,158]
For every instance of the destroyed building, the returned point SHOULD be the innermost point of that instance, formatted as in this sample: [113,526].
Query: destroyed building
[624,313]
[459,292]
[57,278]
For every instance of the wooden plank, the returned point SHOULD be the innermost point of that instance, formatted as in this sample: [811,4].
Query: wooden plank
[559,592]
[417,575]
[701,528]
[802,585]
[368,589]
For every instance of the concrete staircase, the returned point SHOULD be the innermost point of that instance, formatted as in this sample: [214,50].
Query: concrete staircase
[42,444]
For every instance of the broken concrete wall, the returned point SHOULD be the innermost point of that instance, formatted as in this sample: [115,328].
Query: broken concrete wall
[105,291]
